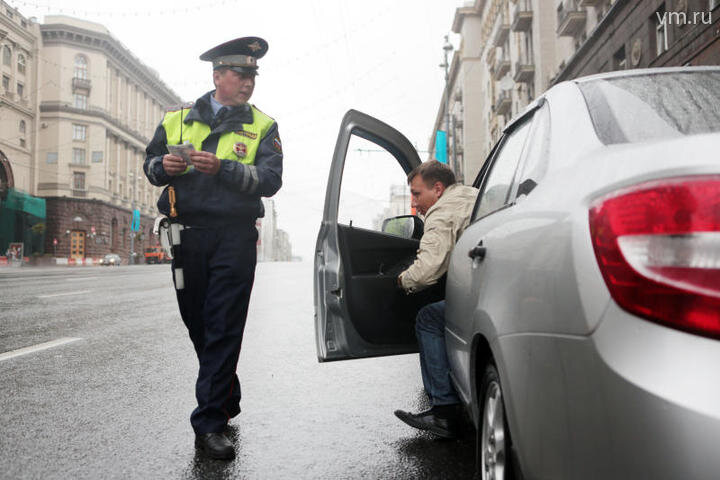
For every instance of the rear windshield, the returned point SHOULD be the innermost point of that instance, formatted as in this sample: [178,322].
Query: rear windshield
[648,107]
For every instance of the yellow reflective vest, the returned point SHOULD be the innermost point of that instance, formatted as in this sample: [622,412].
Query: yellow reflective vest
[240,146]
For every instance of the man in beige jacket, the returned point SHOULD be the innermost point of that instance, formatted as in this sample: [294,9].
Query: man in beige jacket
[446,207]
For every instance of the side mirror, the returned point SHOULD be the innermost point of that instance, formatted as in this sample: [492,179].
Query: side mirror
[405,226]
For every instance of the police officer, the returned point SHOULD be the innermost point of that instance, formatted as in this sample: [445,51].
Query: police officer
[237,159]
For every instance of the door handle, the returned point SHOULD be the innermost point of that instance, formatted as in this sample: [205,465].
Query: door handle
[478,252]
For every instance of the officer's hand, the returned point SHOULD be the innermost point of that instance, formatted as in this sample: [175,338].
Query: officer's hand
[205,162]
[173,165]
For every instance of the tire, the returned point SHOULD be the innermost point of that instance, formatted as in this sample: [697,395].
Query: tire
[494,447]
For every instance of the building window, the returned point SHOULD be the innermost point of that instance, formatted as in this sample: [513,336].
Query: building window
[6,83]
[9,13]
[51,157]
[81,70]
[20,89]
[81,101]
[661,31]
[97,156]
[22,126]
[79,156]
[79,180]
[21,63]
[79,132]
[22,142]
[619,61]
[7,55]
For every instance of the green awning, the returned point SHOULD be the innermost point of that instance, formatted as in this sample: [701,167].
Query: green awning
[22,202]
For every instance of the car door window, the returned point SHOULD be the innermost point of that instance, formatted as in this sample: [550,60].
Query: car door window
[374,186]
[536,160]
[498,182]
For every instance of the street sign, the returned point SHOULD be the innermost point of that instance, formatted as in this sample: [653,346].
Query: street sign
[135,223]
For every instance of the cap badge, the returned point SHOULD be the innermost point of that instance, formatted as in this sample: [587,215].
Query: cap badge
[255,46]
[240,150]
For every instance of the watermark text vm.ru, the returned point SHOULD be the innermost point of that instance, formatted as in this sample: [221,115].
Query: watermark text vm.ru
[683,18]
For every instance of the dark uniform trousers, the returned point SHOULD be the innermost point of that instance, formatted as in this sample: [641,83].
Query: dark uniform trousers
[219,270]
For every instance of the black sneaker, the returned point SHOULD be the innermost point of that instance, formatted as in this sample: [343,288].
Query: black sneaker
[445,426]
[215,445]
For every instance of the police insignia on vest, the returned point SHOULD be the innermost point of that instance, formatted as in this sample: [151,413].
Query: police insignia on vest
[250,135]
[240,149]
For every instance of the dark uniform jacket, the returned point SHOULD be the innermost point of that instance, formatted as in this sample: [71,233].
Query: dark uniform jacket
[233,194]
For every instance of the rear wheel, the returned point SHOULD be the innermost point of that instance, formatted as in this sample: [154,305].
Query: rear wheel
[493,436]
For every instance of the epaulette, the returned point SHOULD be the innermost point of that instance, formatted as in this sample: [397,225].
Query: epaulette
[256,108]
[182,106]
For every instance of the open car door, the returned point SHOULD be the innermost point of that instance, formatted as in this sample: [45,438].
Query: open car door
[359,310]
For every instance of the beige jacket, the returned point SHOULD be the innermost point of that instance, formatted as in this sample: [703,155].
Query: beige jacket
[444,223]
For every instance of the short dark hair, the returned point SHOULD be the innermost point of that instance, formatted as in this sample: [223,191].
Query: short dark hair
[433,171]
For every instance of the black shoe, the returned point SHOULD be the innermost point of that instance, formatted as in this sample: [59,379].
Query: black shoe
[446,426]
[215,445]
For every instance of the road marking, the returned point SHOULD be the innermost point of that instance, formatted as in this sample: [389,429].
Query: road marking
[37,348]
[63,294]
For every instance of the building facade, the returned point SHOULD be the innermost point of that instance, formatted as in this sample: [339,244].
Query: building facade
[513,50]
[22,216]
[98,109]
[273,244]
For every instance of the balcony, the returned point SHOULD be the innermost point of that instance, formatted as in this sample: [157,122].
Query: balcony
[81,84]
[588,3]
[502,30]
[522,17]
[570,18]
[524,72]
[501,67]
[76,192]
[503,103]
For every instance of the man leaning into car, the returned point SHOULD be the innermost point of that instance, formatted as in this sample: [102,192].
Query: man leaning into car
[446,207]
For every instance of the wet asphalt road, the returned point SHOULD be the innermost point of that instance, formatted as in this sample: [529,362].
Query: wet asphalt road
[116,402]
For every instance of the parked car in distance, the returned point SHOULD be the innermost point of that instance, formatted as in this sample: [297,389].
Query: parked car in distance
[583,300]
[111,259]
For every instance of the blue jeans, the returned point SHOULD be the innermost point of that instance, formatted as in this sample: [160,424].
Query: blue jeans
[430,331]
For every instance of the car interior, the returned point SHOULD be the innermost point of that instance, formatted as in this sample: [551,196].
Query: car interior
[372,261]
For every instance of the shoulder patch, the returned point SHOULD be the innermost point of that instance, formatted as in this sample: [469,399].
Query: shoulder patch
[277,145]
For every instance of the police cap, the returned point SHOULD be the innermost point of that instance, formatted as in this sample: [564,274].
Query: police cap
[240,54]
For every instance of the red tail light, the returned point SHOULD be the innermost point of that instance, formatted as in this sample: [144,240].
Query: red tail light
[658,247]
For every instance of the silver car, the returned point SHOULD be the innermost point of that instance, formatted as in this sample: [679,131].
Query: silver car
[111,259]
[583,301]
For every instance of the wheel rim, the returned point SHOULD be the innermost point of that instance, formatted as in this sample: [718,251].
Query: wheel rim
[493,434]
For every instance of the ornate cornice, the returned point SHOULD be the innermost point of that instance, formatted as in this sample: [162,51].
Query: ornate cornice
[53,107]
[26,33]
[114,51]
